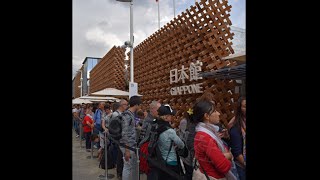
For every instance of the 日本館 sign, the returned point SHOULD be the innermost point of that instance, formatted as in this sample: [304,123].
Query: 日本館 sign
[181,75]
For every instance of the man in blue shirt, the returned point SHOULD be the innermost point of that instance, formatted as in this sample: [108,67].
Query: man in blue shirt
[98,115]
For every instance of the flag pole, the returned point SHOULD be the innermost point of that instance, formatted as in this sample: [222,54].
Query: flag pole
[174,8]
[158,15]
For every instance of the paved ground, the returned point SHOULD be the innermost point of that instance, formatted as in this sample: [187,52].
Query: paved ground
[84,168]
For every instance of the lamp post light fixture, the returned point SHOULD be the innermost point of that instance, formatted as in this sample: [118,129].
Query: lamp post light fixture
[125,45]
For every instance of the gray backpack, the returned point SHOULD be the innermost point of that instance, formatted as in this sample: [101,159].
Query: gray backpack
[115,126]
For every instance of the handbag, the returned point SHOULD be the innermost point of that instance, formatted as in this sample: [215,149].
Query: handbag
[198,175]
[184,152]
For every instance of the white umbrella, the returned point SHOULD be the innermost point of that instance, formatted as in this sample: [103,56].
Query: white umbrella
[97,97]
[111,92]
[80,101]
[102,100]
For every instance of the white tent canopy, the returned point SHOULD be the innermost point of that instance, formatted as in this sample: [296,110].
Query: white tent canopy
[102,100]
[97,97]
[111,92]
[80,101]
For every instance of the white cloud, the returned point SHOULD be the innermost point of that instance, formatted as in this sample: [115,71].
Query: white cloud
[96,35]
[98,25]
[77,63]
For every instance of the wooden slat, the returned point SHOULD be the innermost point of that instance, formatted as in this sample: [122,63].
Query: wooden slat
[109,72]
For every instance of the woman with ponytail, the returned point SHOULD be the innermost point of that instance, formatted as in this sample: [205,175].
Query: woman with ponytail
[213,156]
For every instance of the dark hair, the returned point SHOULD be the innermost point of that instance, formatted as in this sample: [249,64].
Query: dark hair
[199,109]
[140,114]
[115,106]
[134,100]
[94,136]
[239,115]
[107,106]
[94,108]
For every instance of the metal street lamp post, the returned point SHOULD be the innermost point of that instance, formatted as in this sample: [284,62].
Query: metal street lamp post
[130,44]
[132,86]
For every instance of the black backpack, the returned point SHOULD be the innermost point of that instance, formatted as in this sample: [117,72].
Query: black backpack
[153,140]
[150,155]
[153,148]
[115,126]
[110,162]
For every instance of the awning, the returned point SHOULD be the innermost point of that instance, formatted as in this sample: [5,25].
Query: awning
[97,97]
[236,72]
[112,92]
[80,101]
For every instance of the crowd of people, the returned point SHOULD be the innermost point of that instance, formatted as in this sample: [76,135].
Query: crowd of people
[213,150]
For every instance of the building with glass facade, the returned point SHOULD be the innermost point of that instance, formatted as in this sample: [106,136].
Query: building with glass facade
[84,72]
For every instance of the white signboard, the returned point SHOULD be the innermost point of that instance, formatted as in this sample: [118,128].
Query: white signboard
[133,89]
[182,74]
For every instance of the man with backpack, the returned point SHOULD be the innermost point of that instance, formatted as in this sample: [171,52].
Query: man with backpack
[148,121]
[159,159]
[128,138]
[118,108]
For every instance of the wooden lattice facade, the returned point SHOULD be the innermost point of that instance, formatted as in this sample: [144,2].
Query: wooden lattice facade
[200,33]
[109,72]
[77,83]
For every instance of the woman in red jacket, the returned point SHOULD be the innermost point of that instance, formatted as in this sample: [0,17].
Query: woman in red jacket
[87,128]
[210,151]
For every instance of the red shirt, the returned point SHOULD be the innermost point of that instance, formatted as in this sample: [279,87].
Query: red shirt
[210,156]
[86,127]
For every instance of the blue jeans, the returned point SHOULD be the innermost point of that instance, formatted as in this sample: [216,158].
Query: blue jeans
[130,167]
[241,172]
[76,126]
[234,170]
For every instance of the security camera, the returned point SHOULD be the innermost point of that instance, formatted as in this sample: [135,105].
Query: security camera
[127,43]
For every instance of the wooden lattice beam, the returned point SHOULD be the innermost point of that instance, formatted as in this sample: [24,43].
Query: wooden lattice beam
[202,33]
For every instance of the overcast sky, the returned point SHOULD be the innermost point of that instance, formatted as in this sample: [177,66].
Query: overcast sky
[98,25]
